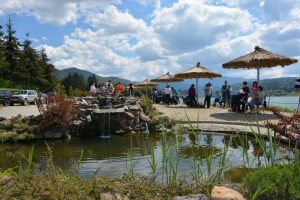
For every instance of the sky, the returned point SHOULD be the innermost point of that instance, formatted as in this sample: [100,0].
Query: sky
[139,39]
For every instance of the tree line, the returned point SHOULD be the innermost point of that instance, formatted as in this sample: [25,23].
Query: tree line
[21,65]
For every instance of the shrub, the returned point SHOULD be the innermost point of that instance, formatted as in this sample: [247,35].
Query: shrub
[58,114]
[276,182]
[288,126]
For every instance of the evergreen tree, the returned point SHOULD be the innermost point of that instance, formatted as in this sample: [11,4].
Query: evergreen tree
[32,72]
[92,79]
[11,52]
[49,70]
[73,82]
[3,63]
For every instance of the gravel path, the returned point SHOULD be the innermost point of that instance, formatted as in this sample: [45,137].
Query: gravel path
[12,111]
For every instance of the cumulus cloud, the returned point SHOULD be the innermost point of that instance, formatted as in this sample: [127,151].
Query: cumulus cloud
[178,36]
[58,12]
[190,25]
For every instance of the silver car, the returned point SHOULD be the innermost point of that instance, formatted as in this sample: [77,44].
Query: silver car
[25,96]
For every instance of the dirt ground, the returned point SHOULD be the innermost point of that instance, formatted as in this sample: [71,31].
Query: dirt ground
[213,114]
[12,111]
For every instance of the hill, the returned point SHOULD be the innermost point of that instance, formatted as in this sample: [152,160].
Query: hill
[275,86]
[61,74]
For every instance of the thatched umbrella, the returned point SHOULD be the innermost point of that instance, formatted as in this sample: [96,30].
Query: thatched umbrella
[166,78]
[259,58]
[197,71]
[145,83]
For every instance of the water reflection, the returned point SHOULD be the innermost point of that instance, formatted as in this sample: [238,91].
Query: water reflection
[110,157]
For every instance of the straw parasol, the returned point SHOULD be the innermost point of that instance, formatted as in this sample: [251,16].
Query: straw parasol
[197,71]
[259,58]
[145,83]
[166,78]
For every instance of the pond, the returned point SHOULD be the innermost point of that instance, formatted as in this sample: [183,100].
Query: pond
[116,156]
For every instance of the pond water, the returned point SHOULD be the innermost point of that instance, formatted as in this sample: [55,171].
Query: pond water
[113,157]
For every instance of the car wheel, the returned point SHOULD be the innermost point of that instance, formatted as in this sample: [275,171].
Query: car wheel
[6,102]
[25,102]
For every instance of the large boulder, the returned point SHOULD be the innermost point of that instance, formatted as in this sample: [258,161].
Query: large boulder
[192,197]
[224,193]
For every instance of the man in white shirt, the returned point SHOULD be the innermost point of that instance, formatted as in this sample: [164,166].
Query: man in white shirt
[168,94]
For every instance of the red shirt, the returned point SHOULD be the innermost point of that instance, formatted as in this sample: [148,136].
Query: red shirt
[192,92]
[120,88]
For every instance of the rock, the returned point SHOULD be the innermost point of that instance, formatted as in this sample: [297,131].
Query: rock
[95,105]
[224,193]
[145,118]
[52,135]
[97,111]
[125,108]
[5,179]
[2,118]
[115,196]
[192,197]
[130,115]
[77,122]
[135,108]
[5,124]
[84,102]
[89,118]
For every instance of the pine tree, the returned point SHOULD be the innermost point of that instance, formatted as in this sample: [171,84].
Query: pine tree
[3,63]
[11,52]
[49,70]
[92,79]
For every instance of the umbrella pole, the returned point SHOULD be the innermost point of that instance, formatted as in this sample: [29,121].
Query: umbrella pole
[197,94]
[258,75]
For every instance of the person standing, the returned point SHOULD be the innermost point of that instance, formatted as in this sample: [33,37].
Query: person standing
[226,94]
[245,96]
[175,94]
[192,95]
[130,90]
[208,93]
[154,95]
[168,94]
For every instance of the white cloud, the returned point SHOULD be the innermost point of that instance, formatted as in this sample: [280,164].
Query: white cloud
[190,25]
[119,44]
[58,12]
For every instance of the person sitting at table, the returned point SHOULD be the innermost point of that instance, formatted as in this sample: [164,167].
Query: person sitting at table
[218,99]
[254,90]
[119,88]
[110,89]
[258,100]
[93,89]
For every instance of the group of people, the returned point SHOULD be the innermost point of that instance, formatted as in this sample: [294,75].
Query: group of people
[107,89]
[168,95]
[240,101]
[225,99]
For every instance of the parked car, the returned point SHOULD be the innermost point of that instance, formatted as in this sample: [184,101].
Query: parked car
[25,96]
[6,97]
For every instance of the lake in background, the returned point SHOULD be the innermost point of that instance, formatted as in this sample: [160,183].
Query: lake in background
[290,102]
